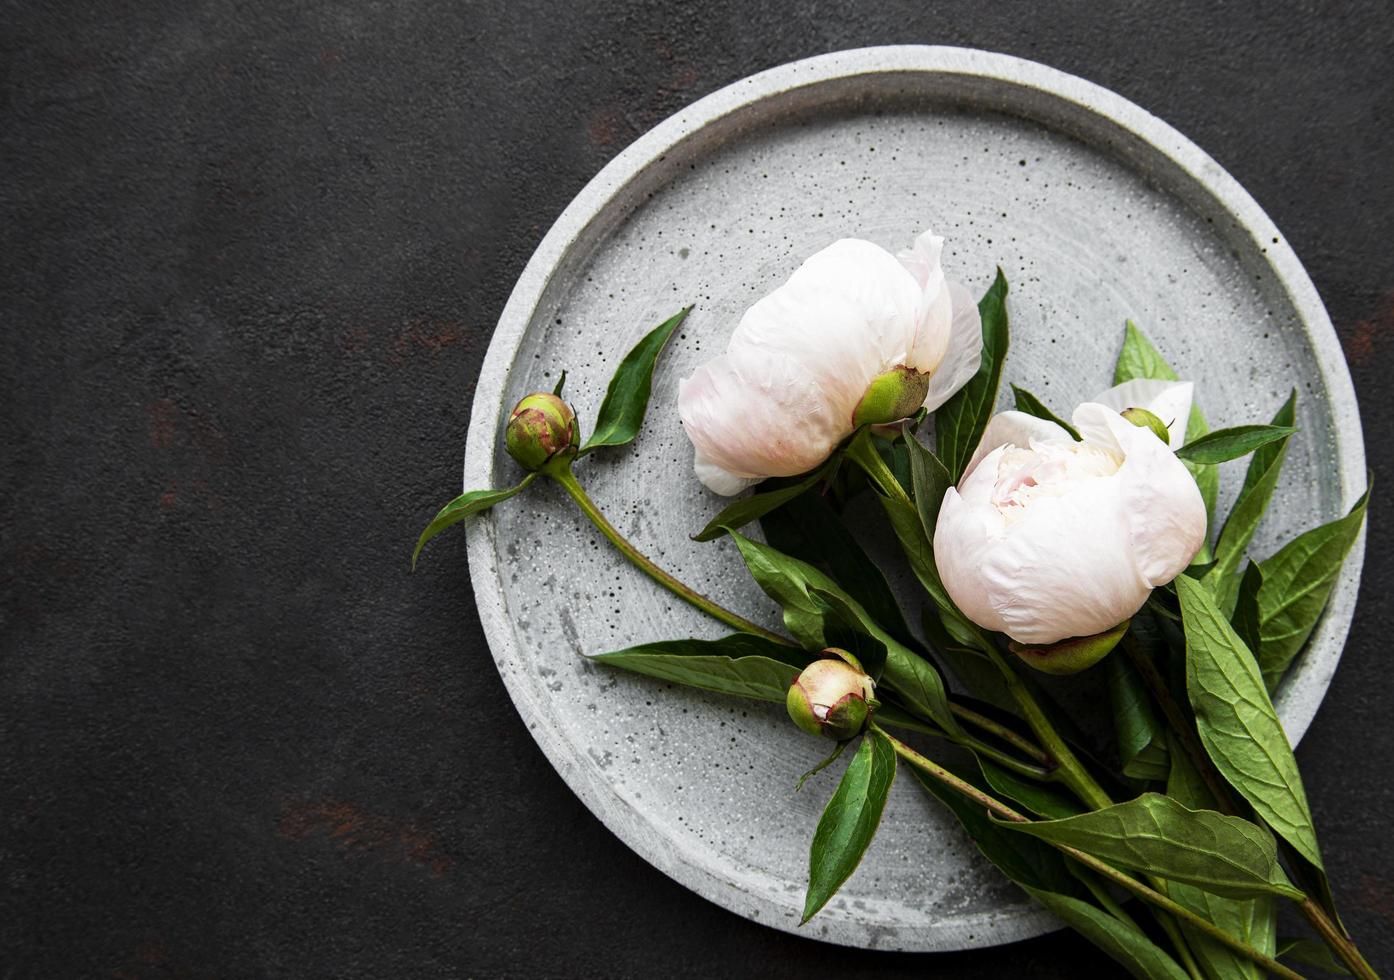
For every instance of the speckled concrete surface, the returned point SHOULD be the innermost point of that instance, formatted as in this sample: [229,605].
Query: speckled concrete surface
[253,256]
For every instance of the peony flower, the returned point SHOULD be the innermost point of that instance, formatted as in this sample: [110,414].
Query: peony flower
[855,336]
[1046,538]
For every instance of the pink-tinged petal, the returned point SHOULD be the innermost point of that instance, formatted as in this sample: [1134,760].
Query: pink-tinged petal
[1012,428]
[1066,568]
[935,311]
[922,258]
[717,480]
[964,353]
[1170,401]
[1166,513]
[846,315]
[753,415]
[964,537]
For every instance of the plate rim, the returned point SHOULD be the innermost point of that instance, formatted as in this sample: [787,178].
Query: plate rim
[1298,699]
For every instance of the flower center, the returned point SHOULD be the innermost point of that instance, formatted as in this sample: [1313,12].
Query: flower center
[1047,469]
[892,396]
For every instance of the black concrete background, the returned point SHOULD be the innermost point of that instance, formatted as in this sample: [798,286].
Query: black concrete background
[252,255]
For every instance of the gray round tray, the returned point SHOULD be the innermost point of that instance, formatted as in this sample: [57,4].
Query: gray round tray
[1097,212]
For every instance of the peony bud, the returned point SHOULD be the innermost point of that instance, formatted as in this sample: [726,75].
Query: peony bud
[541,426]
[1144,419]
[893,395]
[832,697]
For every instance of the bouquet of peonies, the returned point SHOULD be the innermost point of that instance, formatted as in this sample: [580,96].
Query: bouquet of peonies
[1041,545]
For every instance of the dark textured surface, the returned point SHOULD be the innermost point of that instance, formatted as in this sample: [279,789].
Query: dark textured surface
[252,255]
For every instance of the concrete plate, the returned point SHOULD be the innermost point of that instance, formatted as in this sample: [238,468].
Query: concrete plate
[1097,212]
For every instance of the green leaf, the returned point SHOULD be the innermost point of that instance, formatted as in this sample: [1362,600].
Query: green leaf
[1253,921]
[1124,942]
[798,587]
[465,505]
[929,480]
[1028,862]
[1041,799]
[1045,875]
[1259,483]
[1031,405]
[627,397]
[1157,835]
[1139,359]
[1142,745]
[1297,581]
[850,820]
[1312,953]
[1226,444]
[1236,721]
[959,422]
[809,529]
[741,512]
[842,628]
[740,664]
[561,383]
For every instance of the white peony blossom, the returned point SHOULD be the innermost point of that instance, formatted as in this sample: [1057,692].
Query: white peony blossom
[1046,538]
[856,335]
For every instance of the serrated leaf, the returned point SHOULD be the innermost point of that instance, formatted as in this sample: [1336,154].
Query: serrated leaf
[627,397]
[794,585]
[1260,480]
[1157,835]
[1031,405]
[1237,724]
[739,513]
[849,821]
[1223,445]
[959,422]
[1141,737]
[1139,359]
[463,506]
[1297,581]
[741,664]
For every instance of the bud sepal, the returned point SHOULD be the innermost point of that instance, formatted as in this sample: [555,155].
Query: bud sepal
[832,697]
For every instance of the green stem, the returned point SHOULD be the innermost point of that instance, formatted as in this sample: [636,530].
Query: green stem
[1071,770]
[1342,945]
[562,474]
[986,724]
[1147,894]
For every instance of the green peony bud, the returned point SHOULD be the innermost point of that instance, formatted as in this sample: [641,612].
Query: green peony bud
[1144,419]
[541,426]
[831,698]
[897,394]
[1072,655]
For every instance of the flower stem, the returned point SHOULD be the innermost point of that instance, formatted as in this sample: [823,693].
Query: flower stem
[1071,770]
[986,724]
[1147,894]
[562,474]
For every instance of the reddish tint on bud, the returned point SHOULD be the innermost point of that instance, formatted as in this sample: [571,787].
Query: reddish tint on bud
[541,426]
[831,698]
